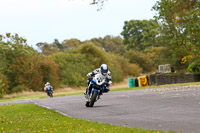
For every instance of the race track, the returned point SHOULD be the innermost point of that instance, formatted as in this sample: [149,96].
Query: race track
[175,108]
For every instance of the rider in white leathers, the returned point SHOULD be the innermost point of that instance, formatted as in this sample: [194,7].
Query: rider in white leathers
[103,70]
[47,87]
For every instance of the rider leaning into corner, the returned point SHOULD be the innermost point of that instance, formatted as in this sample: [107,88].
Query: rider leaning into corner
[47,87]
[103,70]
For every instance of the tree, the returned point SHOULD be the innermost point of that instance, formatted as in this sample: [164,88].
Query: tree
[110,44]
[141,59]
[32,72]
[140,34]
[48,49]
[71,43]
[99,3]
[180,21]
[4,84]
[58,44]
[12,46]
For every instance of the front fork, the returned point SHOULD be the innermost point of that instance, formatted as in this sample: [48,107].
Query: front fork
[98,96]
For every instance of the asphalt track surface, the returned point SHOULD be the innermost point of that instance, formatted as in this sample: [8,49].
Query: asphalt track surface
[175,108]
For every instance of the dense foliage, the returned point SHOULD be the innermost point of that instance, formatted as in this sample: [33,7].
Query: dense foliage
[32,72]
[141,34]
[75,64]
[180,27]
[144,62]
[22,68]
[110,44]
[172,38]
[73,67]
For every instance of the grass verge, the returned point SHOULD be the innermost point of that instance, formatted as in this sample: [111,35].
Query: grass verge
[37,95]
[30,118]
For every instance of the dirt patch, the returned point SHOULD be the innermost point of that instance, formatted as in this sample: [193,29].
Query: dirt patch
[123,84]
[69,89]
[24,93]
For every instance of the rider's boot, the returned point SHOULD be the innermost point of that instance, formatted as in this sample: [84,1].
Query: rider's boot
[86,94]
[100,93]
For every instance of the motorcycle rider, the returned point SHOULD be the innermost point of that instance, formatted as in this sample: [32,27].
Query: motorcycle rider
[48,87]
[103,70]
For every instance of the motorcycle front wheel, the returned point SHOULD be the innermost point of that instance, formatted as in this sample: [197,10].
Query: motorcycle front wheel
[50,94]
[87,104]
[93,99]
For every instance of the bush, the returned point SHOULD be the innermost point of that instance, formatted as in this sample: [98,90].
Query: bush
[73,68]
[116,72]
[49,71]
[136,57]
[194,67]
[32,72]
[75,64]
[122,62]
[3,85]
[97,56]
[125,66]
[134,70]
[2,93]
[19,88]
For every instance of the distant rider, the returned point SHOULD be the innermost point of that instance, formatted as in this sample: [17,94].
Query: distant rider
[47,87]
[103,70]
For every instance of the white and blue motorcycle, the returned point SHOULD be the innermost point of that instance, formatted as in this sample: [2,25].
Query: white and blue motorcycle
[98,83]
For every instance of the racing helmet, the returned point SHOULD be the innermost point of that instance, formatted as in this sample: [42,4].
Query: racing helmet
[47,83]
[104,69]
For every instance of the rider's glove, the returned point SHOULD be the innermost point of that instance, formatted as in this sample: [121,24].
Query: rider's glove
[110,83]
[89,77]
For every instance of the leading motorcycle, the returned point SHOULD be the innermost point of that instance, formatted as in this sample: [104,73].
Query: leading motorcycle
[98,82]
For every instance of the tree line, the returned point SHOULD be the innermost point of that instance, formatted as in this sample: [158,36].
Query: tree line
[172,37]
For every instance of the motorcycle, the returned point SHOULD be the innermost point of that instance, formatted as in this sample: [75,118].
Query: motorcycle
[97,89]
[49,92]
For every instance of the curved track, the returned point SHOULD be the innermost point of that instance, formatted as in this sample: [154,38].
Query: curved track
[175,108]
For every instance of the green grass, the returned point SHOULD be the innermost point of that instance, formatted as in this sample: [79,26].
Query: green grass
[30,118]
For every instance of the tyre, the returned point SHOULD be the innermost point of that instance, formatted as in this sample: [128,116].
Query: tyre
[87,104]
[93,99]
[51,95]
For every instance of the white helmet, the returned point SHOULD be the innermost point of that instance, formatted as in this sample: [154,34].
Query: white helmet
[47,83]
[104,69]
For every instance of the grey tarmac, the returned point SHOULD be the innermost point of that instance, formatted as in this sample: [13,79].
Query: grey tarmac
[172,108]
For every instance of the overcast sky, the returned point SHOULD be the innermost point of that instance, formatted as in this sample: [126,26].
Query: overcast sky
[46,20]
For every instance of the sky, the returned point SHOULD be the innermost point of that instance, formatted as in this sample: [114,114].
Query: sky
[46,20]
